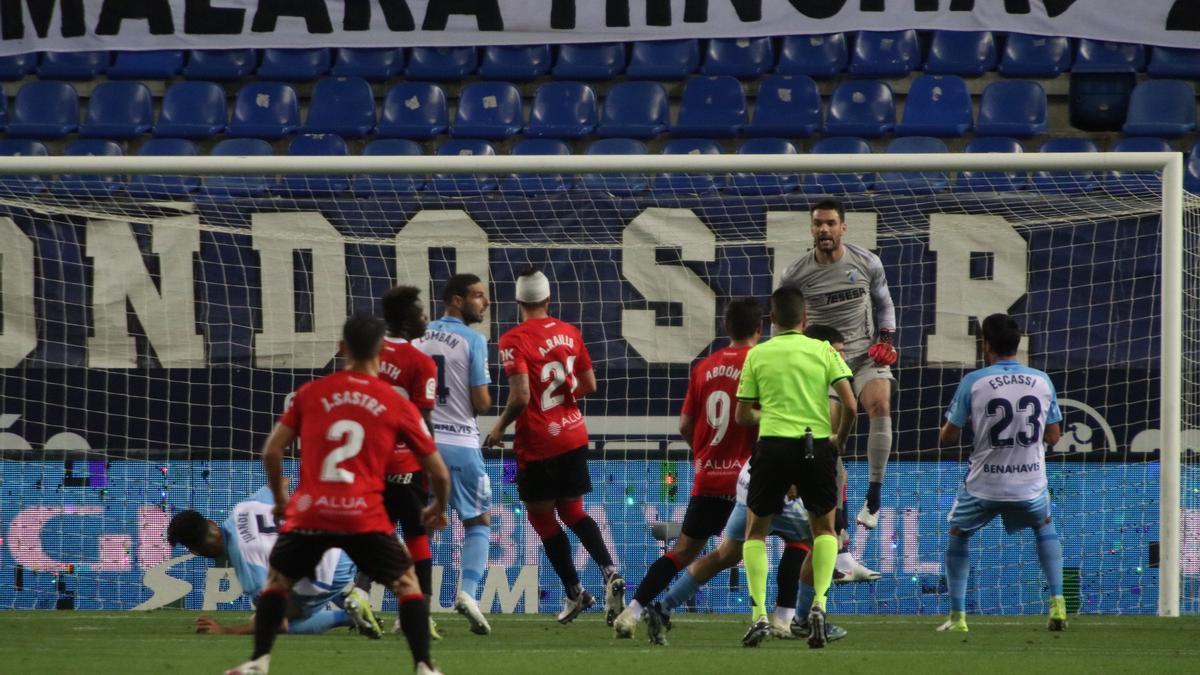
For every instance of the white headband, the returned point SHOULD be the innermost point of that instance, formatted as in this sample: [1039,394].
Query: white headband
[533,288]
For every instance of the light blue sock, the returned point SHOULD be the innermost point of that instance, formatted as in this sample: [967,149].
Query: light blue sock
[684,588]
[319,622]
[958,566]
[1049,549]
[474,558]
[804,602]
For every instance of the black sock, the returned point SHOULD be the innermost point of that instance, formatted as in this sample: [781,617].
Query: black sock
[271,606]
[658,577]
[424,569]
[873,490]
[589,535]
[787,576]
[558,550]
[414,621]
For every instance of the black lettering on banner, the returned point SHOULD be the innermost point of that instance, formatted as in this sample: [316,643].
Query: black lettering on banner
[918,5]
[201,18]
[157,14]
[658,12]
[395,13]
[12,17]
[314,13]
[562,14]
[696,11]
[486,13]
[819,9]
[1184,15]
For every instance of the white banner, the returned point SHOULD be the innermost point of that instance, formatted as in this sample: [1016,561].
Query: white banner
[69,25]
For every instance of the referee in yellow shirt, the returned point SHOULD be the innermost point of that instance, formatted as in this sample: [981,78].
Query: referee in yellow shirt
[789,378]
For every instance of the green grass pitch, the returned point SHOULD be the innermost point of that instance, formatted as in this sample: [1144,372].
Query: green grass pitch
[163,642]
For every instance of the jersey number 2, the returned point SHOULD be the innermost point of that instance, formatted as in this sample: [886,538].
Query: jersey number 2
[351,434]
[555,372]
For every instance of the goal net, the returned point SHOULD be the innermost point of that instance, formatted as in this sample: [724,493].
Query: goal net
[156,312]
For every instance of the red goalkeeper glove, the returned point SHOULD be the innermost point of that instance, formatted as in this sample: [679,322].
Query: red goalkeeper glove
[882,352]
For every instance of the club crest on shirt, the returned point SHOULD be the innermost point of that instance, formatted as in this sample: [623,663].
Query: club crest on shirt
[852,276]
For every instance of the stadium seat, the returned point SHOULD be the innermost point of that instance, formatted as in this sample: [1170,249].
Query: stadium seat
[635,110]
[1012,108]
[294,65]
[441,63]
[738,57]
[118,110]
[1165,108]
[72,65]
[1169,62]
[44,109]
[156,64]
[1066,182]
[562,110]
[595,61]
[835,183]
[1135,181]
[1097,56]
[220,65]
[711,107]
[143,186]
[17,66]
[1191,178]
[371,64]
[387,185]
[1099,101]
[861,108]
[763,184]
[341,105]
[3,111]
[620,185]
[992,181]
[687,183]
[936,105]
[462,185]
[536,184]
[913,182]
[238,186]
[268,110]
[14,184]
[516,63]
[964,53]
[413,110]
[885,53]
[787,105]
[817,56]
[314,185]
[192,110]
[89,186]
[489,110]
[663,59]
[1035,56]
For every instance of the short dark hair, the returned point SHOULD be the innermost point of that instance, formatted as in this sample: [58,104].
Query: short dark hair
[831,205]
[818,331]
[363,334]
[189,528]
[787,304]
[459,285]
[1002,333]
[402,311]
[743,316]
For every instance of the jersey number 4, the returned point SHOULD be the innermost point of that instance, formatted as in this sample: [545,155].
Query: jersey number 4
[351,435]
[443,392]
[556,372]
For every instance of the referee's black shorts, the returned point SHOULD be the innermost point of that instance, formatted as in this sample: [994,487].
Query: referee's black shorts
[779,463]
[378,555]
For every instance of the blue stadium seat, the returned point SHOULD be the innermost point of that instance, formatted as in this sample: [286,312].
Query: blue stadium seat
[369,63]
[144,186]
[3,111]
[913,182]
[490,110]
[72,65]
[1191,178]
[620,185]
[663,59]
[89,186]
[936,105]
[1168,62]
[238,186]
[316,185]
[519,64]
[764,184]
[441,63]
[687,183]
[1035,56]
[992,181]
[1099,101]
[294,65]
[388,185]
[738,57]
[541,183]
[594,61]
[17,66]
[1165,108]
[220,65]
[15,184]
[885,54]
[837,183]
[1135,181]
[268,110]
[414,110]
[118,110]
[155,64]
[341,105]
[1066,182]
[1012,108]
[635,110]
[192,110]
[813,55]
[787,105]
[1097,56]
[861,108]
[461,185]
[965,53]
[711,107]
[44,109]
[562,110]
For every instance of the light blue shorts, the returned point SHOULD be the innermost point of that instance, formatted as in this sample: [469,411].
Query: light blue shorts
[470,487]
[969,513]
[792,524]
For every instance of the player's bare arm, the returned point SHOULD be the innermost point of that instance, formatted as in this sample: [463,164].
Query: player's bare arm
[281,437]
[585,383]
[746,414]
[845,416]
[434,515]
[950,434]
[481,399]
[518,400]
[687,428]
[1052,434]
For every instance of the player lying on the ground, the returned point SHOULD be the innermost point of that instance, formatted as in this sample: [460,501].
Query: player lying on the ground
[246,538]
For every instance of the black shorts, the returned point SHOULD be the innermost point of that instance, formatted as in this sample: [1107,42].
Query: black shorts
[404,496]
[380,556]
[563,476]
[706,516]
[779,463]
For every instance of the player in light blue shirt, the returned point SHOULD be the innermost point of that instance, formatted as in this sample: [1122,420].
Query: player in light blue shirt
[460,353]
[1013,411]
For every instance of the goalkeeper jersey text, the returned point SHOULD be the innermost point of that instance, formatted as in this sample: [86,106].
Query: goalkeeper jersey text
[414,376]
[720,445]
